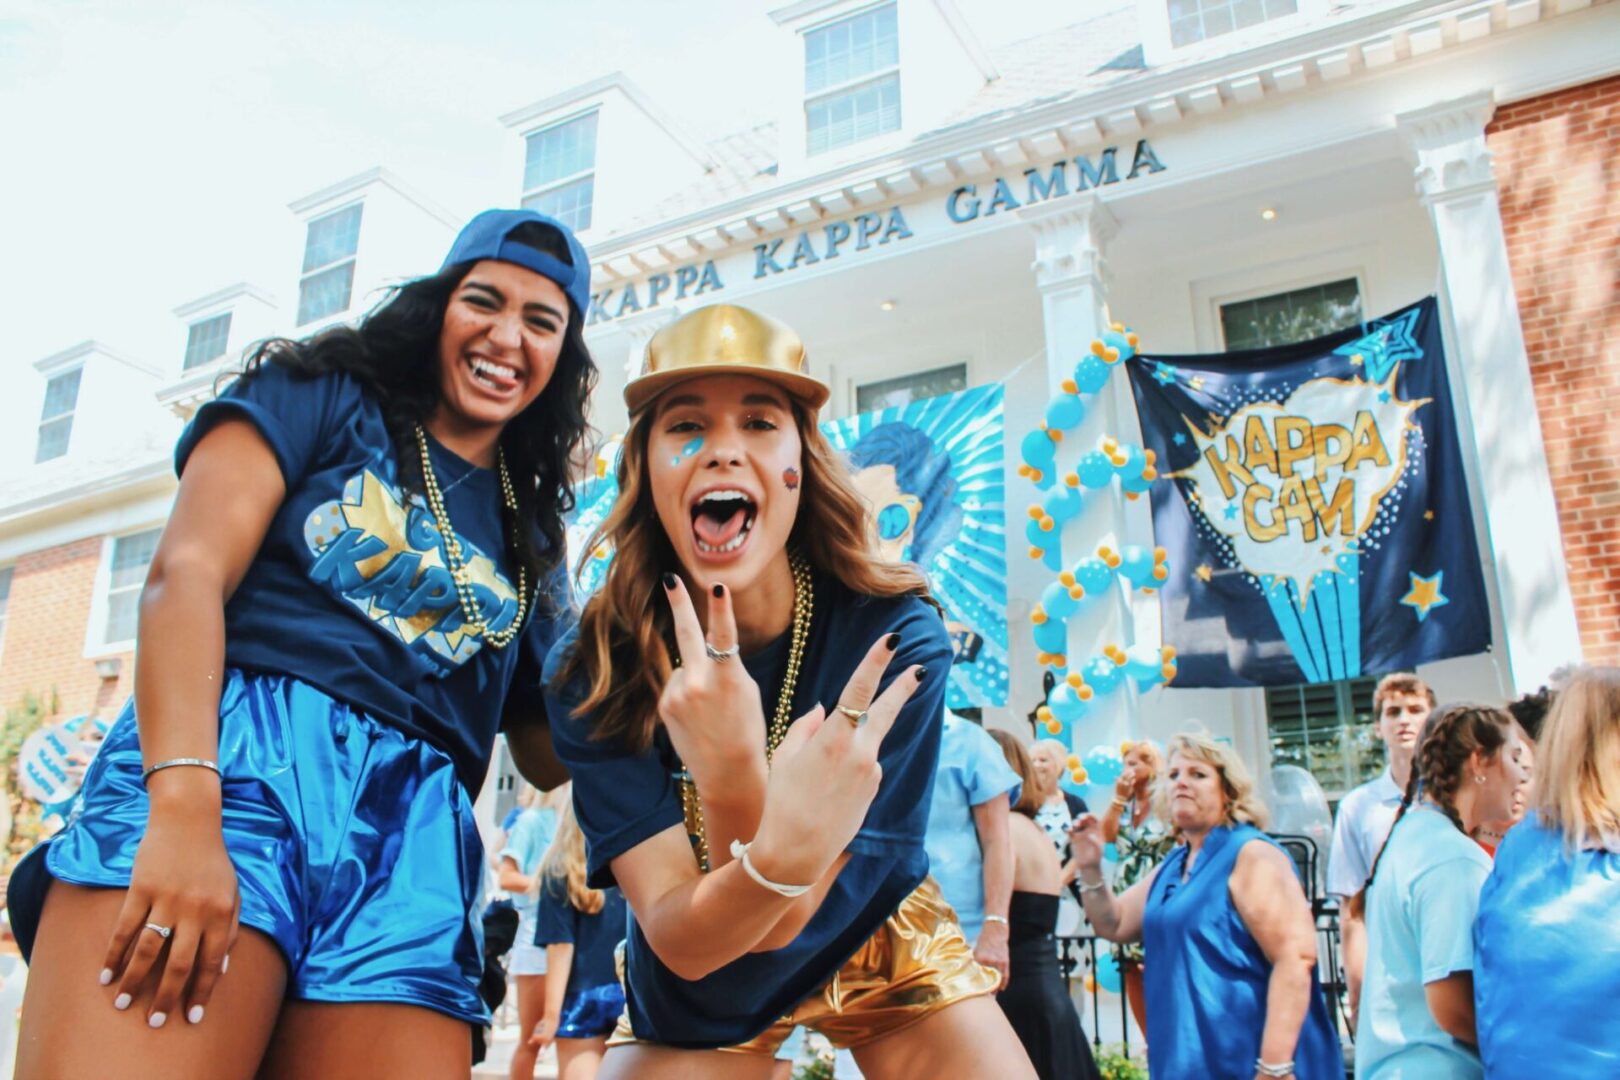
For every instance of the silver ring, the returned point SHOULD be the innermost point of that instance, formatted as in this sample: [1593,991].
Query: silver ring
[161,931]
[856,717]
[720,656]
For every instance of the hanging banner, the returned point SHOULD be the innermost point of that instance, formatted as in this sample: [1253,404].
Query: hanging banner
[1317,507]
[932,471]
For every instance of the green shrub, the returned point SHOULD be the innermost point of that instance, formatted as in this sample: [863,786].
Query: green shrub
[1115,1064]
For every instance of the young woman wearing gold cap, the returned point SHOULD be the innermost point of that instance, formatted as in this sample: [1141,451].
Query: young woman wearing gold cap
[774,866]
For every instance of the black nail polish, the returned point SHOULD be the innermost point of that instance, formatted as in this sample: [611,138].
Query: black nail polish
[669,581]
[892,641]
[921,673]
[719,590]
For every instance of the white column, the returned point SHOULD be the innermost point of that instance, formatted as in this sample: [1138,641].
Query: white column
[1071,273]
[1522,544]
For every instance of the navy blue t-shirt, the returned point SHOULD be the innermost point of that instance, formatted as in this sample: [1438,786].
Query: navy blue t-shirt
[623,799]
[350,591]
[594,937]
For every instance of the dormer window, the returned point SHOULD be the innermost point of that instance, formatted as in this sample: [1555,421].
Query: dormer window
[852,79]
[328,273]
[206,340]
[1192,21]
[56,419]
[559,171]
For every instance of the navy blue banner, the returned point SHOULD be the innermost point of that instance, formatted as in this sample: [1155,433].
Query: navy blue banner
[1316,516]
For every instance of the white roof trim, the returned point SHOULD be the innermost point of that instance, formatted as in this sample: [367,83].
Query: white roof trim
[540,113]
[313,204]
[220,299]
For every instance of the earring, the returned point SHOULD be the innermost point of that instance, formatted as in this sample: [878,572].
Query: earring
[1479,778]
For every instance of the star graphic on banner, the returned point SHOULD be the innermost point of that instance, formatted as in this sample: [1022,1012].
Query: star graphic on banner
[1179,438]
[1355,361]
[1204,572]
[1428,515]
[1384,396]
[1163,374]
[1385,345]
[1231,511]
[1425,594]
[1197,382]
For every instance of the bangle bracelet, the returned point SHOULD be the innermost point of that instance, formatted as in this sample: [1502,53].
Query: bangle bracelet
[739,851]
[1123,804]
[202,763]
[1002,919]
[1101,884]
[1265,1068]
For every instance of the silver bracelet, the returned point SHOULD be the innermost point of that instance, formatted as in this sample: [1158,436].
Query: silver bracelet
[1002,919]
[1103,884]
[739,851]
[202,763]
[1265,1068]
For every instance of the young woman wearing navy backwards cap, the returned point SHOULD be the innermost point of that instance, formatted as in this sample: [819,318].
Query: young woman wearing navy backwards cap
[774,867]
[357,584]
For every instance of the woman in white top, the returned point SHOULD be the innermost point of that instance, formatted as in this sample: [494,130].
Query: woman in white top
[1417,998]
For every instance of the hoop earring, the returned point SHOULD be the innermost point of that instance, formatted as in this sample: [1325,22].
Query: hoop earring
[1479,778]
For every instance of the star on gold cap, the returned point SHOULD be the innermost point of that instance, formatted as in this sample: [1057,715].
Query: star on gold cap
[723,339]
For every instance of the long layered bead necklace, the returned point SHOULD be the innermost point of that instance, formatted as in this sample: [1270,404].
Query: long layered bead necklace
[472,619]
[803,608]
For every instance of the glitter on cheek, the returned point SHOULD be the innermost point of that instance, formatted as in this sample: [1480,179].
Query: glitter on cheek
[790,477]
[688,450]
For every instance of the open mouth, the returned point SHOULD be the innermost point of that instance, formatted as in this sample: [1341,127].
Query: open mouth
[722,520]
[494,377]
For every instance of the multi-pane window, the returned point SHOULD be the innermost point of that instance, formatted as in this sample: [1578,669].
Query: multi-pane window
[1298,315]
[131,555]
[559,171]
[872,396]
[5,599]
[1329,730]
[328,272]
[205,341]
[56,419]
[852,80]
[1192,21]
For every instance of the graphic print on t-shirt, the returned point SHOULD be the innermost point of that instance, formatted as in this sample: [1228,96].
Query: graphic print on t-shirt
[383,553]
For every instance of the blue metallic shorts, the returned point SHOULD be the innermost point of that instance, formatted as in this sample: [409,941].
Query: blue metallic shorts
[355,846]
[591,1014]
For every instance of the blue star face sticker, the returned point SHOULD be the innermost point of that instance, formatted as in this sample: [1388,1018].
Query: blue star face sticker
[1163,374]
[1384,345]
[1425,594]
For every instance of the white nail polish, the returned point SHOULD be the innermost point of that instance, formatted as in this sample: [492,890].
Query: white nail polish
[195,1015]
[106,976]
[156,1019]
[121,1001]
[225,965]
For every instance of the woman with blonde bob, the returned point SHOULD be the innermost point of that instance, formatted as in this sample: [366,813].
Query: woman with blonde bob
[1546,955]
[1232,991]
[579,927]
[774,867]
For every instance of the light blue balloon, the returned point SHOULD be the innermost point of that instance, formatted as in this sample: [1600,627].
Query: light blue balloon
[1094,469]
[1065,412]
[1143,662]
[1066,704]
[1091,373]
[1052,636]
[1040,453]
[1108,972]
[1063,503]
[1094,576]
[1050,543]
[1110,852]
[1102,675]
[1104,764]
[1116,339]
[1057,603]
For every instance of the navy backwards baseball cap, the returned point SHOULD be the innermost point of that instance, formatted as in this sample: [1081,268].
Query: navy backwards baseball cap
[488,236]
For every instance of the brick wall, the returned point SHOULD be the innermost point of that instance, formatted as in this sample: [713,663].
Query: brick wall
[1557,161]
[47,615]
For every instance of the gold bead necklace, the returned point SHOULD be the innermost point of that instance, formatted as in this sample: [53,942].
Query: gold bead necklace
[473,624]
[803,608]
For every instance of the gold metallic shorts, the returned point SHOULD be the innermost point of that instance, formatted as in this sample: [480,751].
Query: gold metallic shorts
[915,965]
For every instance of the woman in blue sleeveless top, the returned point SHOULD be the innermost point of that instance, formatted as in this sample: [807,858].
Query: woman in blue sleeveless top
[1232,991]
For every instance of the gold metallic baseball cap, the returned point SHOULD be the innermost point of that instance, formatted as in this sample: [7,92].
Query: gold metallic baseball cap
[723,339]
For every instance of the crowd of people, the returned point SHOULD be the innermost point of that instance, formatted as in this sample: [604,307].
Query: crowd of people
[769,823]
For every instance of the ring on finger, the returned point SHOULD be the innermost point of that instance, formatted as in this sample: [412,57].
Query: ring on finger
[161,931]
[856,717]
[720,656]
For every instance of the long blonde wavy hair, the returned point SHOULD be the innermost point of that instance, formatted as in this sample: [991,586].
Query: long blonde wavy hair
[564,860]
[626,637]
[1578,764]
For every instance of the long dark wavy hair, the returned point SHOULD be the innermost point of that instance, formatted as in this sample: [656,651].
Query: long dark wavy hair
[1449,737]
[394,353]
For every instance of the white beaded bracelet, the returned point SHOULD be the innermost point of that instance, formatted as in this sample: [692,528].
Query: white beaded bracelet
[739,851]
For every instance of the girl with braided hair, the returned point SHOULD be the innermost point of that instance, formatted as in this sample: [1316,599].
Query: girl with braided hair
[1417,1008]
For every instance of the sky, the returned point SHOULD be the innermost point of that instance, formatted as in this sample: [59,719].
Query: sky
[150,149]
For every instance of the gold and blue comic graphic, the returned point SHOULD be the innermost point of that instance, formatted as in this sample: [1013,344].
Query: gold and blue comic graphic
[1318,503]
[932,472]
[384,554]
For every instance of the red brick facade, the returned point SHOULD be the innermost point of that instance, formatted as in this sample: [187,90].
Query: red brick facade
[52,593]
[1557,161]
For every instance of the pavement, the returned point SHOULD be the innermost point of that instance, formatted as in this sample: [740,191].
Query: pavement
[500,1053]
